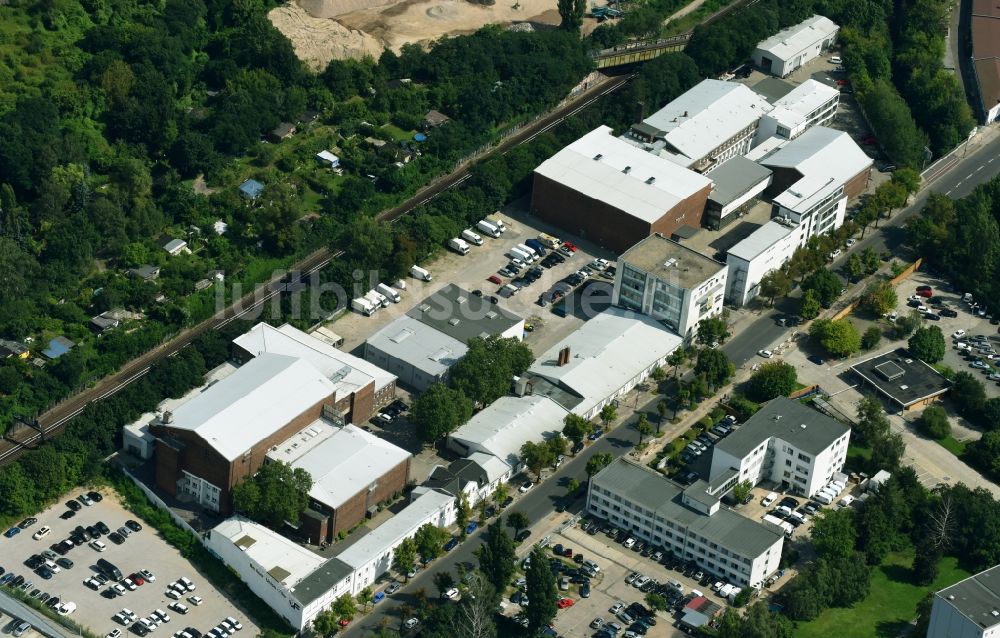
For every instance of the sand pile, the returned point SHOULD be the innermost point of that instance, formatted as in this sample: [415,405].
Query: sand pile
[318,40]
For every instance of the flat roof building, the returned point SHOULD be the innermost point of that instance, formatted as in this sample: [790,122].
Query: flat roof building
[614,193]
[505,425]
[738,184]
[703,127]
[794,46]
[786,443]
[420,347]
[360,387]
[605,358]
[296,583]
[968,609]
[764,250]
[670,283]
[809,104]
[352,471]
[689,522]
[904,380]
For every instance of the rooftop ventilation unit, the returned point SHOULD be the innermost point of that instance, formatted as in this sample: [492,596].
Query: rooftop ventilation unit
[627,170]
[453,322]
[597,158]
[423,307]
[650,180]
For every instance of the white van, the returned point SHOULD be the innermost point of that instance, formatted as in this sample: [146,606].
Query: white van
[488,228]
[517,253]
[770,498]
[420,273]
[846,501]
[824,498]
[836,59]
[528,249]
[472,237]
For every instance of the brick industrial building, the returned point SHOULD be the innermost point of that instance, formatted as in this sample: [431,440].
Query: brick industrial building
[614,193]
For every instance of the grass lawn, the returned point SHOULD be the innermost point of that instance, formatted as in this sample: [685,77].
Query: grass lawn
[953,445]
[397,133]
[857,457]
[890,606]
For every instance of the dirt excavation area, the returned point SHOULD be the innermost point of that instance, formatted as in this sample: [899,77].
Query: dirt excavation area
[324,30]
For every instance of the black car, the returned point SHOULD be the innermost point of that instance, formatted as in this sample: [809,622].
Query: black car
[28,522]
[789,502]
[52,602]
[815,358]
[116,538]
[400,405]
[94,532]
[44,572]
[194,632]
[947,312]
[132,525]
[68,514]
[95,496]
[65,563]
[139,629]
[73,505]
[507,501]
[33,561]
[102,527]
[585,590]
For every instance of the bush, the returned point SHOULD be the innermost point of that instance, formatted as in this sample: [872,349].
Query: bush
[871,338]
[934,422]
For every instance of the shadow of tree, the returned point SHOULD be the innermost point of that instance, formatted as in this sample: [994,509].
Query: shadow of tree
[892,628]
[898,573]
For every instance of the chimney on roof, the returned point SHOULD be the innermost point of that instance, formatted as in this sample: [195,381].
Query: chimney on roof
[564,356]
[168,417]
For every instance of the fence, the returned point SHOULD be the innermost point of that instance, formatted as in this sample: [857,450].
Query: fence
[903,276]
[158,502]
[803,392]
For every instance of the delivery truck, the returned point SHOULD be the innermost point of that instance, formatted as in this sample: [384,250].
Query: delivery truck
[388,292]
[472,237]
[378,299]
[458,245]
[363,306]
[497,221]
[420,273]
[488,228]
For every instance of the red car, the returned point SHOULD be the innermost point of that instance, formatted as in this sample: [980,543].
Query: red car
[564,603]
[925,293]
[568,552]
[343,622]
[494,279]
[137,579]
[843,82]
[569,246]
[927,288]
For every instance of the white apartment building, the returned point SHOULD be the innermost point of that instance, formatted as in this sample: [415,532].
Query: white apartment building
[968,609]
[809,104]
[670,283]
[691,523]
[708,124]
[786,443]
[766,249]
[790,48]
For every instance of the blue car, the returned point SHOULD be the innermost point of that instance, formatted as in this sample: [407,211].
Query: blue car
[378,597]
[596,434]
[451,544]
[12,532]
[471,527]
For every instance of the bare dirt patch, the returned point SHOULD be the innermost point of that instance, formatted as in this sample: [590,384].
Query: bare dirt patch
[322,30]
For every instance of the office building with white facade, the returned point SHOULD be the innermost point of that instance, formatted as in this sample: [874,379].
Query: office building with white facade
[793,47]
[690,522]
[968,609]
[767,248]
[671,283]
[809,104]
[708,124]
[786,443]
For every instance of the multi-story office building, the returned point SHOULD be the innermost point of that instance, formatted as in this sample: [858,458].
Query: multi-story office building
[690,522]
[786,443]
[809,104]
[670,283]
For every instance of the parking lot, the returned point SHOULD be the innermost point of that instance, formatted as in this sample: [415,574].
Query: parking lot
[472,272]
[141,550]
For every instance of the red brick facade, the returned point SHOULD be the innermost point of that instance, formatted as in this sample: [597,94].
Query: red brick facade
[354,510]
[606,225]
[179,449]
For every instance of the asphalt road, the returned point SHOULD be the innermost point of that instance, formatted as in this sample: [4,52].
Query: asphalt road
[956,176]
[15,608]
[538,504]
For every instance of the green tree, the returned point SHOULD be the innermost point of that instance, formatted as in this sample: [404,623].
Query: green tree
[839,338]
[872,422]
[712,330]
[775,284]
[572,487]
[677,359]
[715,366]
[772,379]
[517,521]
[934,422]
[741,490]
[576,428]
[871,338]
[463,513]
[608,414]
[643,427]
[887,452]
[597,463]
[557,445]
[325,623]
[968,394]
[826,285]
[497,557]
[927,344]
[438,411]
[809,305]
[879,298]
[541,582]
[365,597]
[571,14]
[833,534]
[661,411]
[537,456]
[405,557]
[276,494]
[908,178]
[430,541]
[484,373]
[344,607]
[501,493]
[656,602]
[758,622]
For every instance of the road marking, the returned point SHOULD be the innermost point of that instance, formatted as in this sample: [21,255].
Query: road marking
[949,192]
[981,168]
